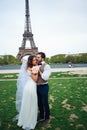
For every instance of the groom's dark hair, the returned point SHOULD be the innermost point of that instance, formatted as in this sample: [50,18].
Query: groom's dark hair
[43,55]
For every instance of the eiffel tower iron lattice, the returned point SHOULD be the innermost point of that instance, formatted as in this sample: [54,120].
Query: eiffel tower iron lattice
[27,35]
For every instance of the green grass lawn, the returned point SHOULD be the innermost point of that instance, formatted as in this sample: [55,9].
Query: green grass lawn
[67,99]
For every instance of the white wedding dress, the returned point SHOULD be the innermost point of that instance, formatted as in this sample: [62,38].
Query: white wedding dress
[28,111]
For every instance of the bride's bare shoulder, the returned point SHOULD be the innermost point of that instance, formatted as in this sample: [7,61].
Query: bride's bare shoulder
[29,68]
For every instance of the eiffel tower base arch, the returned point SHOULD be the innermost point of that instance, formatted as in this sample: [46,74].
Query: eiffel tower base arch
[23,52]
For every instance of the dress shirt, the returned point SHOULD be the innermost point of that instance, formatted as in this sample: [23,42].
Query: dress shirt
[47,71]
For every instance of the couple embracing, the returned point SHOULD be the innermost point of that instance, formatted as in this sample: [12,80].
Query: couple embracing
[32,92]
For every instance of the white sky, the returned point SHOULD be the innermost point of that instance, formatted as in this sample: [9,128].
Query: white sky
[59,26]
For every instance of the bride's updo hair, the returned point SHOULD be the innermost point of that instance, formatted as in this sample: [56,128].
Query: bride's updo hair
[30,59]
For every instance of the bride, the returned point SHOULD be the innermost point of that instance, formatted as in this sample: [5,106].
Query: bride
[26,95]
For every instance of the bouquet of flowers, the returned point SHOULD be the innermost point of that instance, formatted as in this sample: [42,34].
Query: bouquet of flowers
[35,70]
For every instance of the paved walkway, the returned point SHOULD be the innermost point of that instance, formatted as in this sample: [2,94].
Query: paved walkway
[82,70]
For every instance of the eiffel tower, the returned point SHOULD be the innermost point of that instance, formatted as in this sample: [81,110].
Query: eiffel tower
[27,35]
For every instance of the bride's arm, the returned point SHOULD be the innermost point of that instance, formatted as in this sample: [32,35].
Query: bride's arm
[34,76]
[34,73]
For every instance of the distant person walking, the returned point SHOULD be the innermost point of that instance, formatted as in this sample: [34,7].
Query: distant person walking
[70,64]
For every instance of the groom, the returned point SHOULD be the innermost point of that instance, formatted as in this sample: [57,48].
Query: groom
[43,89]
